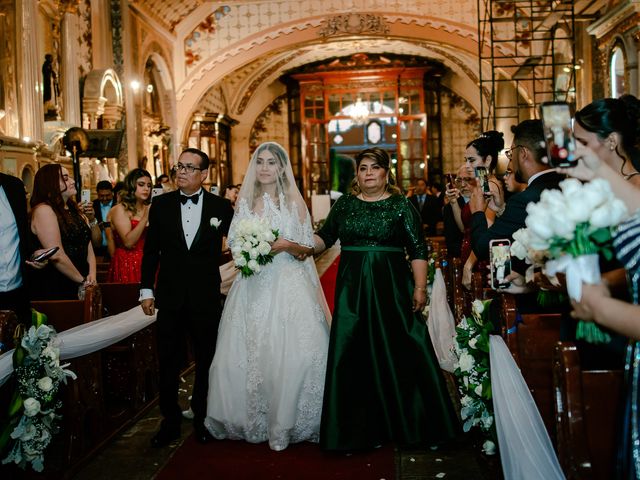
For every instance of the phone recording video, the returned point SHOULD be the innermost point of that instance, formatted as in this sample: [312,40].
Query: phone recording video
[85,196]
[483,180]
[451,179]
[558,134]
[500,262]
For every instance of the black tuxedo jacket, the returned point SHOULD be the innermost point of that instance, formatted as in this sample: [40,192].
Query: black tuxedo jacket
[17,196]
[185,274]
[430,212]
[513,217]
[98,211]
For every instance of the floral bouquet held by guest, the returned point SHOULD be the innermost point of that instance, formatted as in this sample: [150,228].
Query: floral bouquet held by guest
[573,225]
[252,246]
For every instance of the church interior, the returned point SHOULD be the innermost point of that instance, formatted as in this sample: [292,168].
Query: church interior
[102,87]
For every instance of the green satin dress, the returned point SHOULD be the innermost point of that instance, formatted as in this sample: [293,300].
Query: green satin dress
[383,380]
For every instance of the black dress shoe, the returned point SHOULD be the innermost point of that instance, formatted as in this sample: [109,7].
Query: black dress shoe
[201,433]
[165,436]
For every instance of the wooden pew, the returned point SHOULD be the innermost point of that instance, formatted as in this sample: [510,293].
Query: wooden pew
[531,338]
[83,399]
[588,409]
[130,367]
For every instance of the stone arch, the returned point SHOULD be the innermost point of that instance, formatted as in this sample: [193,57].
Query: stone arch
[102,98]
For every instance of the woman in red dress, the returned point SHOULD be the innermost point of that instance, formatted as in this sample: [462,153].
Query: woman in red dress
[129,220]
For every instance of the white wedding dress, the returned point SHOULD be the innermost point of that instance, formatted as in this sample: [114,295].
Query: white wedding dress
[266,381]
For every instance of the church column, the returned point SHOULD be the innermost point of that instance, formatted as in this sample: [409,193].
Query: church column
[70,78]
[102,39]
[30,82]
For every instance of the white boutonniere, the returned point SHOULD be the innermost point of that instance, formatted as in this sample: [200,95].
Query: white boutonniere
[215,223]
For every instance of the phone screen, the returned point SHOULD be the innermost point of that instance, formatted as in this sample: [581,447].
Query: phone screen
[500,262]
[86,196]
[45,255]
[155,192]
[558,134]
[482,176]
[450,180]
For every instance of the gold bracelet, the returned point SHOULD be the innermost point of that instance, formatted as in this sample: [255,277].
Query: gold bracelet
[424,289]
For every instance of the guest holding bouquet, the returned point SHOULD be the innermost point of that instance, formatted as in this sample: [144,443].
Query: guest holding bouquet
[267,375]
[383,380]
[129,220]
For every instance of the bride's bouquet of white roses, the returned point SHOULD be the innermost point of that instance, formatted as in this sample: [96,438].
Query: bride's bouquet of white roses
[568,228]
[251,247]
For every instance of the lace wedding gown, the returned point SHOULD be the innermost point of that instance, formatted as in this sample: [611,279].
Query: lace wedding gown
[267,377]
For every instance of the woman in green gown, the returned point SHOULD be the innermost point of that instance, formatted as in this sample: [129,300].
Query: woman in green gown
[383,382]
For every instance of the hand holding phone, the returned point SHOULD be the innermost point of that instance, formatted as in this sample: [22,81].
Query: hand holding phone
[500,262]
[85,196]
[558,134]
[47,254]
[450,180]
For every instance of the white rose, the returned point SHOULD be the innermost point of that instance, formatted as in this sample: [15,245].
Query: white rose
[253,265]
[489,448]
[478,390]
[562,226]
[45,384]
[31,407]
[246,246]
[487,422]
[466,401]
[477,307]
[609,214]
[264,248]
[466,362]
[214,222]
[253,253]
[240,261]
[236,250]
[29,432]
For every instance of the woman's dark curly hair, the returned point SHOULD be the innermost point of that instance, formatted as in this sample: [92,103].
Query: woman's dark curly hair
[46,189]
[489,143]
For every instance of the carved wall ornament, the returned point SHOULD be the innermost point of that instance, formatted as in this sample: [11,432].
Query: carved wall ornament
[353,24]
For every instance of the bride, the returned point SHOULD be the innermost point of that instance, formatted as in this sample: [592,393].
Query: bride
[267,377]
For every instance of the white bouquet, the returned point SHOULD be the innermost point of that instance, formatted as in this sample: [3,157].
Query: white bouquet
[570,227]
[251,248]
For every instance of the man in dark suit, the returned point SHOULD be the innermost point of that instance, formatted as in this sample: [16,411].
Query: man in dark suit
[101,207]
[185,243]
[526,154]
[427,205]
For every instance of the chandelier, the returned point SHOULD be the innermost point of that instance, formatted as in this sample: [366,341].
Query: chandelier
[360,112]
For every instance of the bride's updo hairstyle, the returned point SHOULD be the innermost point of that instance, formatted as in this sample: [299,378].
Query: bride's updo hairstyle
[489,143]
[381,157]
[620,115]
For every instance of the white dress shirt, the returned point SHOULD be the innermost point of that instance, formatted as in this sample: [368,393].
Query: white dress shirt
[10,274]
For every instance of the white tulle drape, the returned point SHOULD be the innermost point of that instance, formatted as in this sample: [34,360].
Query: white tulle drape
[90,337]
[441,324]
[526,451]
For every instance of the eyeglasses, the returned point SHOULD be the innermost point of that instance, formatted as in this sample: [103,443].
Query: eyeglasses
[467,180]
[509,153]
[186,168]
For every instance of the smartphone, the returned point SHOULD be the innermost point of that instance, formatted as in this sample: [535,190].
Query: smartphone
[45,255]
[558,134]
[451,178]
[500,262]
[155,192]
[85,197]
[483,179]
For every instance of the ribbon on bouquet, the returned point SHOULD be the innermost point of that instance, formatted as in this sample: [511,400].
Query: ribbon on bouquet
[578,270]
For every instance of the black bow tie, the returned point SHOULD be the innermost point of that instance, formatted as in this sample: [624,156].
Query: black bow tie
[194,198]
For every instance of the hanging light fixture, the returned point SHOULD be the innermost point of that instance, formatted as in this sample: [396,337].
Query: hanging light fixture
[360,112]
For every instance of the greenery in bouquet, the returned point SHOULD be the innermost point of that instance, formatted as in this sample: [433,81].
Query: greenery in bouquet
[564,229]
[431,268]
[32,420]
[251,245]
[473,374]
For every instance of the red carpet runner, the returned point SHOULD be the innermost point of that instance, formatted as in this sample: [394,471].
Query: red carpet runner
[240,460]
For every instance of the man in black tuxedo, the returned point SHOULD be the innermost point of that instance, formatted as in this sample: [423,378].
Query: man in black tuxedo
[184,240]
[526,154]
[427,205]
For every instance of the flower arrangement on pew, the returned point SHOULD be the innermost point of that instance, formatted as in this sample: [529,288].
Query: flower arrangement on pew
[431,275]
[472,372]
[32,419]
[252,245]
[567,229]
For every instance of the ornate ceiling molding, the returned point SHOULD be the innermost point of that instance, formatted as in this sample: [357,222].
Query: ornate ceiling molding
[353,24]
[614,18]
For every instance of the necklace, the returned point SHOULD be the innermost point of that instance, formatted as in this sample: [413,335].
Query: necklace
[363,197]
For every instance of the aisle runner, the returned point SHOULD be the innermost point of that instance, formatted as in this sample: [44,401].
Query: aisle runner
[238,460]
